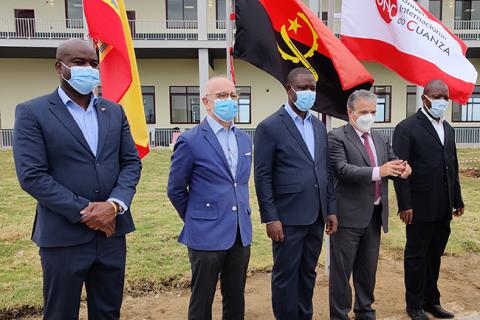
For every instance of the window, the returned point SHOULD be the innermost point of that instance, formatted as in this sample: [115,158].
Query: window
[435,8]
[181,14]
[412,100]
[384,102]
[221,13]
[184,105]
[244,105]
[74,13]
[148,95]
[469,112]
[467,10]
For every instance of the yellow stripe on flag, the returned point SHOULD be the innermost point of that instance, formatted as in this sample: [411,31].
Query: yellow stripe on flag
[132,101]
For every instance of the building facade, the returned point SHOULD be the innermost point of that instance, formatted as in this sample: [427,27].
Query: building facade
[180,43]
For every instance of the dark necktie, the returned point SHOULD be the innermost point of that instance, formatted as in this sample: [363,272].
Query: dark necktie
[372,161]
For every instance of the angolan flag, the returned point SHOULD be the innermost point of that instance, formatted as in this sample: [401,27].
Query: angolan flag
[409,40]
[278,36]
[108,27]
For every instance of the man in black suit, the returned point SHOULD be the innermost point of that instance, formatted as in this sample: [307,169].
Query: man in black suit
[428,199]
[295,194]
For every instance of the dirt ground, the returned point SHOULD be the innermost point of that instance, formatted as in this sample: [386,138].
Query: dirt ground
[459,285]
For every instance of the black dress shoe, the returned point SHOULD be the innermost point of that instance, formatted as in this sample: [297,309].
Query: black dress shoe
[438,312]
[417,314]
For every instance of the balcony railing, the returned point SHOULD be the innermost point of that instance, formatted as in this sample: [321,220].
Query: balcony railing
[38,28]
[473,25]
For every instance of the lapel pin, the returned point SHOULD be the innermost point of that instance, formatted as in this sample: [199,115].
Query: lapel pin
[103,109]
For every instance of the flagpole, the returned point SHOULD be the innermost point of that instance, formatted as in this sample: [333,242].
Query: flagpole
[229,37]
[328,125]
[419,90]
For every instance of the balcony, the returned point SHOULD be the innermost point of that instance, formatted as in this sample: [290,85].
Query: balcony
[48,29]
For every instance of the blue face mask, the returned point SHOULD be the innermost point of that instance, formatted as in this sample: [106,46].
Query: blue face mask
[305,100]
[439,106]
[225,110]
[82,79]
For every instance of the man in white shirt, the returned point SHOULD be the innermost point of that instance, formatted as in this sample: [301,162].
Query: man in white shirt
[427,201]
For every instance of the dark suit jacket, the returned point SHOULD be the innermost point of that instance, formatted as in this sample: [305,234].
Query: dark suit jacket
[352,173]
[433,189]
[55,165]
[290,186]
[212,203]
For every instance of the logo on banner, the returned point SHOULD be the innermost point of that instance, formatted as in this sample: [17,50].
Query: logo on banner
[388,9]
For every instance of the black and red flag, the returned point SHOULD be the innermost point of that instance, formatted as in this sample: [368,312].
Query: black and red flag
[278,36]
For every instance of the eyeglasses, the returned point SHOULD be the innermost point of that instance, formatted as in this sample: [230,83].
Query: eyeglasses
[224,95]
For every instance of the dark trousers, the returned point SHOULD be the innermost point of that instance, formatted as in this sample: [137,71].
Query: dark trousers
[293,274]
[100,264]
[354,250]
[207,266]
[426,242]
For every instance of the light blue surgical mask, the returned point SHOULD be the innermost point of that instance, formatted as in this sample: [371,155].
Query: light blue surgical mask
[225,110]
[305,100]
[439,106]
[82,79]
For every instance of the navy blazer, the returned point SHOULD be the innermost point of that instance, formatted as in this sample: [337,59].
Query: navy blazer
[291,186]
[211,202]
[55,165]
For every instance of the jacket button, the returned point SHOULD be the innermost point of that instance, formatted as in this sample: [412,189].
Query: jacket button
[234,208]
[208,204]
[97,191]
[316,185]
[235,184]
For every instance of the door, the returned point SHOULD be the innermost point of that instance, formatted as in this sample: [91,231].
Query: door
[131,22]
[24,23]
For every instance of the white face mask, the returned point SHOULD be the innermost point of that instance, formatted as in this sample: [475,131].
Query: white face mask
[364,122]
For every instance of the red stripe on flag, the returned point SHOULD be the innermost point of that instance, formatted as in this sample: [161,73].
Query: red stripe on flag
[104,24]
[407,65]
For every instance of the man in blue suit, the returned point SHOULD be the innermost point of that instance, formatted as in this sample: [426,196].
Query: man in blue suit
[75,155]
[295,194]
[208,186]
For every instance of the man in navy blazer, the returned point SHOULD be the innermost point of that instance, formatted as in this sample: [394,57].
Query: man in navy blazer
[208,186]
[75,155]
[295,194]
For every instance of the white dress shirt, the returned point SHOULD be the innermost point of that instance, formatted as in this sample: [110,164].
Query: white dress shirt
[376,169]
[437,125]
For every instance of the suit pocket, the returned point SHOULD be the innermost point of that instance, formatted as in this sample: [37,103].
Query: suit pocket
[287,188]
[204,211]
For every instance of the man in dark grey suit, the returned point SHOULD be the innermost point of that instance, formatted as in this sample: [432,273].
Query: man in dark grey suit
[295,194]
[361,161]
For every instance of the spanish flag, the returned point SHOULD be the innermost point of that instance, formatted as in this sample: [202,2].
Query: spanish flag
[277,36]
[108,27]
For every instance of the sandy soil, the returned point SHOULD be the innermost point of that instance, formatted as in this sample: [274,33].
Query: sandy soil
[459,284]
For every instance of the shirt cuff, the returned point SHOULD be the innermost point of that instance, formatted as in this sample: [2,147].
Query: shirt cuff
[376,174]
[122,205]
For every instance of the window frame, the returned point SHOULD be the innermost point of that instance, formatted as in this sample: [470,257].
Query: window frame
[152,94]
[186,94]
[179,25]
[389,94]
[476,91]
[68,23]
[406,101]
[249,108]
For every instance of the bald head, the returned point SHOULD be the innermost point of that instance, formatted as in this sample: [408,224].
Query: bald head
[219,84]
[72,46]
[435,86]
